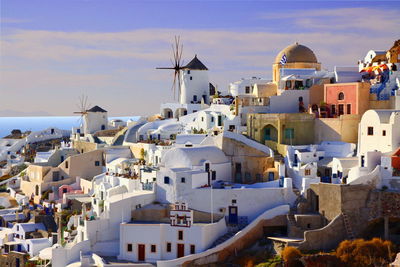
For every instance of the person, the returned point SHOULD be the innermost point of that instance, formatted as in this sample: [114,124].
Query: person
[301,105]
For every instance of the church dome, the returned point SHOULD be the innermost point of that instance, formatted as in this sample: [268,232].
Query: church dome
[297,53]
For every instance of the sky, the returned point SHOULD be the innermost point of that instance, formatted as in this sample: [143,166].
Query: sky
[54,51]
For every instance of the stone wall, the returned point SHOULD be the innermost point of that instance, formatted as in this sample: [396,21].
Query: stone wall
[326,238]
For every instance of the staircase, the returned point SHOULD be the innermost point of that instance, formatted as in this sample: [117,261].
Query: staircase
[347,225]
[223,238]
[232,230]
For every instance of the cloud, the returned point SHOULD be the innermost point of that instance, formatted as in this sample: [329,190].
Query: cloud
[48,70]
[13,20]
[362,19]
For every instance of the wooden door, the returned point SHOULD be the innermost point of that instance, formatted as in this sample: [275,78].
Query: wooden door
[141,252]
[180,251]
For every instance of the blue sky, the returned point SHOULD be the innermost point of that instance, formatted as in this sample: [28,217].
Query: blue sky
[53,51]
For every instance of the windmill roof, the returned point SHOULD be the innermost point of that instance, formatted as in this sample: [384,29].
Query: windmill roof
[96,109]
[195,64]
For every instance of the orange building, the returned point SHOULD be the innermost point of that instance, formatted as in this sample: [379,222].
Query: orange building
[396,159]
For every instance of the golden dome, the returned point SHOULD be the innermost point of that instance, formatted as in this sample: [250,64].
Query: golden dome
[297,53]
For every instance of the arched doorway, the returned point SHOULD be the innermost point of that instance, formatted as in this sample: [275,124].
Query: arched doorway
[269,133]
[180,112]
[167,113]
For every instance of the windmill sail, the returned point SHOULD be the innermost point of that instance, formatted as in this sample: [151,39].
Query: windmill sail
[177,65]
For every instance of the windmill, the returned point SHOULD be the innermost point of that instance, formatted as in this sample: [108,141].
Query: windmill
[83,107]
[177,64]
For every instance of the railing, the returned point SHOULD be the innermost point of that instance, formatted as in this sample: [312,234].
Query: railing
[147,186]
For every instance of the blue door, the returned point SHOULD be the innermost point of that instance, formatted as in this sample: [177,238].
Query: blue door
[295,160]
[271,176]
[233,215]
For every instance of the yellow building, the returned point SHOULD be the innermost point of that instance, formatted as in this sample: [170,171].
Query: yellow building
[297,57]
[278,130]
[41,177]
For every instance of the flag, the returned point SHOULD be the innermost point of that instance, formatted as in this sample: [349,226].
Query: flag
[283,59]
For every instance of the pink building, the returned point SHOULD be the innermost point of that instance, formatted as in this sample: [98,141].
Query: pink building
[346,98]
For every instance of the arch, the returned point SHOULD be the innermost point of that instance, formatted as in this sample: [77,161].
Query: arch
[269,132]
[180,112]
[167,113]
[341,96]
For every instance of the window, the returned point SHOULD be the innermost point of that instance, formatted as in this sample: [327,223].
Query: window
[213,175]
[129,247]
[341,109]
[183,180]
[64,190]
[202,118]
[333,109]
[212,119]
[348,108]
[289,133]
[180,235]
[307,172]
[188,72]
[168,247]
[195,99]
[384,133]
[154,179]
[166,180]
[97,163]
[207,167]
[153,248]
[288,84]
[56,176]
[247,89]
[234,201]
[191,78]
[66,164]
[341,96]
[370,130]
[192,249]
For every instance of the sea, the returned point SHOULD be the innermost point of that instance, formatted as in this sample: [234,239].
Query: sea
[7,124]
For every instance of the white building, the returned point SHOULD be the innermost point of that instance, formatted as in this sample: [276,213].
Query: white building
[150,241]
[215,118]
[159,129]
[303,162]
[378,130]
[245,86]
[188,173]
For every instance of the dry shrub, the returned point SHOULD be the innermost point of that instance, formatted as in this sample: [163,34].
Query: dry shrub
[291,256]
[360,252]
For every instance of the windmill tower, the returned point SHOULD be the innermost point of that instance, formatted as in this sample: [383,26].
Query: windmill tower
[191,80]
[195,83]
[92,120]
